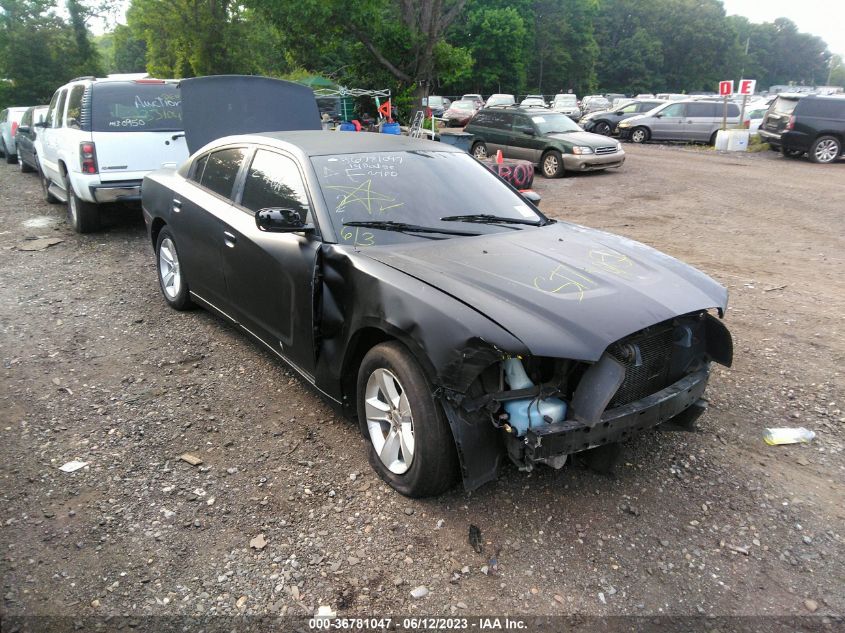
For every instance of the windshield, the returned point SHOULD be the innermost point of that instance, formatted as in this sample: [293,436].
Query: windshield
[136,107]
[433,101]
[549,122]
[499,101]
[414,187]
[463,105]
[565,100]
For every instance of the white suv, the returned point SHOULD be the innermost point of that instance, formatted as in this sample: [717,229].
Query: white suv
[100,137]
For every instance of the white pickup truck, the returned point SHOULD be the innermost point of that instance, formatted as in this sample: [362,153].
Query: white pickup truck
[100,137]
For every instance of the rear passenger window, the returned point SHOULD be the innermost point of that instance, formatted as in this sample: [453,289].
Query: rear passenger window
[702,110]
[733,110]
[221,170]
[74,107]
[825,108]
[56,121]
[199,166]
[274,181]
[481,118]
[51,109]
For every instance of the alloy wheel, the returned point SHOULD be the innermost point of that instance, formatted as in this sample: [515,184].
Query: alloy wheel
[480,152]
[826,150]
[550,165]
[390,421]
[168,267]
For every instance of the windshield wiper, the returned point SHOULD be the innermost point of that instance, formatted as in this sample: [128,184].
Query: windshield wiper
[486,218]
[389,225]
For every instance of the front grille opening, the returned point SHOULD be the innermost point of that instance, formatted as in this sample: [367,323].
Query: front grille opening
[647,359]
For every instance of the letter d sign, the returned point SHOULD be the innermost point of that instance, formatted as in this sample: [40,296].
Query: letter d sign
[726,88]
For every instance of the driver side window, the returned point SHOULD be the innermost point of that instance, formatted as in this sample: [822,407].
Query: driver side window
[674,110]
[274,181]
[629,109]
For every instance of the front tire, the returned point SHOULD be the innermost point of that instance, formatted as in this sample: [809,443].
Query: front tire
[171,279]
[603,128]
[409,443]
[82,215]
[639,135]
[552,164]
[825,149]
[479,151]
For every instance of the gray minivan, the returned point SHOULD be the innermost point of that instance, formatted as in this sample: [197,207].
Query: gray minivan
[689,120]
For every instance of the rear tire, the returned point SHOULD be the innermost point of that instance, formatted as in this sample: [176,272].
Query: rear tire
[791,153]
[25,169]
[171,279]
[825,149]
[640,135]
[10,158]
[82,215]
[479,151]
[551,165]
[416,453]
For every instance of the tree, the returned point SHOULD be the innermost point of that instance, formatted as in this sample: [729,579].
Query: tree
[84,58]
[405,38]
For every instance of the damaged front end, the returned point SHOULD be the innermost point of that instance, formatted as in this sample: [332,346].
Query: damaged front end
[540,410]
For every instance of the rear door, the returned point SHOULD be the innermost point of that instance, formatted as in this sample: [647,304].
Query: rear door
[700,119]
[198,217]
[497,129]
[778,115]
[136,127]
[270,276]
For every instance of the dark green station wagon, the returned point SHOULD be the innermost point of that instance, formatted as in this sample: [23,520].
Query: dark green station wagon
[549,139]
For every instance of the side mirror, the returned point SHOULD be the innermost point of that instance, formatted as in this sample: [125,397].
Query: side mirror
[278,220]
[532,196]
[529,131]
[619,113]
[23,128]
[659,115]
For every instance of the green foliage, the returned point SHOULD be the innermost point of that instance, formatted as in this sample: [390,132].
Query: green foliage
[39,50]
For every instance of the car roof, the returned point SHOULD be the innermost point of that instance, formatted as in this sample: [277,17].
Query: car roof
[321,143]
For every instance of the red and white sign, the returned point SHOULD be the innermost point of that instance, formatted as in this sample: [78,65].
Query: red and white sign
[726,88]
[747,86]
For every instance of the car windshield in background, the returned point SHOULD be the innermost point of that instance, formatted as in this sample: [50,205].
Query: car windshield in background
[550,122]
[136,107]
[463,105]
[566,100]
[418,188]
[785,106]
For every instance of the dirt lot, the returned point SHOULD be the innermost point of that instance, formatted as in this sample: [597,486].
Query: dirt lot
[97,368]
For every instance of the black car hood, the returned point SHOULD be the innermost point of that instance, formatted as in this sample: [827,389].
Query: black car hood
[222,105]
[563,290]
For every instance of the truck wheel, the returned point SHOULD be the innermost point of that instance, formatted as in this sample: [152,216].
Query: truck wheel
[83,216]
[409,443]
[171,279]
[825,149]
[479,150]
[552,164]
[639,135]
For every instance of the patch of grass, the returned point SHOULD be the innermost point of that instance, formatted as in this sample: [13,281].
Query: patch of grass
[755,144]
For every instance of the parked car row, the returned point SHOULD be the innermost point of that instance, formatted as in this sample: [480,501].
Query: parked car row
[96,140]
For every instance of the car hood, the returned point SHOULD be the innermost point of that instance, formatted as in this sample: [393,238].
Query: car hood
[564,290]
[633,119]
[223,105]
[583,138]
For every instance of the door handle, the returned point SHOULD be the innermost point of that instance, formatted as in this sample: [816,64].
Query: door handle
[177,205]
[229,239]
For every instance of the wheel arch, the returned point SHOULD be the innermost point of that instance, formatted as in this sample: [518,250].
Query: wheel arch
[155,228]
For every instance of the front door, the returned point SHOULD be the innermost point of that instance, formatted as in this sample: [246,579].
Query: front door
[270,276]
[670,123]
[525,143]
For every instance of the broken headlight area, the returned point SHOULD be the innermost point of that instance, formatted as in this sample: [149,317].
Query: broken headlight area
[548,408]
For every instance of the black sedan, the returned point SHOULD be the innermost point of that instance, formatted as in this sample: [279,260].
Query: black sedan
[605,122]
[409,284]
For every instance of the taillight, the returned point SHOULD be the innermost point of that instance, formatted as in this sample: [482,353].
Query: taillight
[14,127]
[747,124]
[791,123]
[88,158]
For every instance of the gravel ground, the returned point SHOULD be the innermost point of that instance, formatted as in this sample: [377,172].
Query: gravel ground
[284,514]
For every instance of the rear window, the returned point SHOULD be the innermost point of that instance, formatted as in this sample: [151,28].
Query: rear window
[136,107]
[784,106]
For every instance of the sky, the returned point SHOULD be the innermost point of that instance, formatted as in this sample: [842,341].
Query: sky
[825,18]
